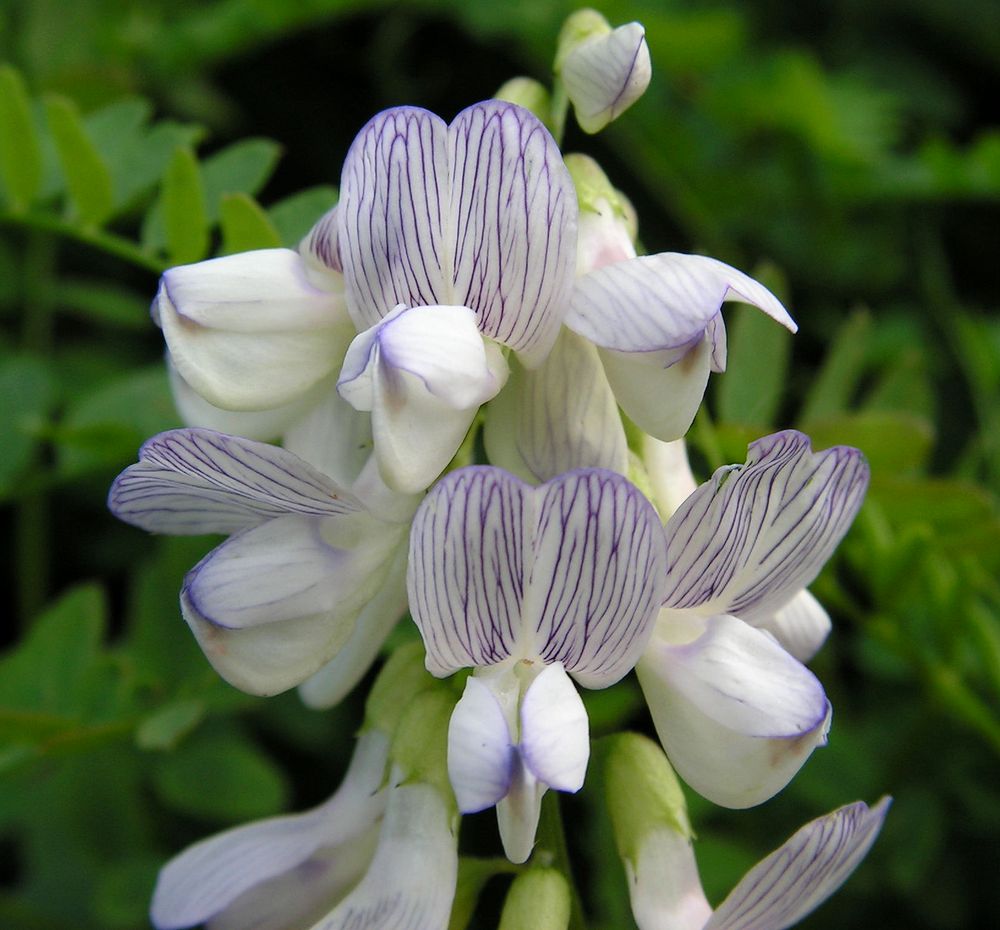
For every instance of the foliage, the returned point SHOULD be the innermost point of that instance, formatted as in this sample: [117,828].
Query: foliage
[869,185]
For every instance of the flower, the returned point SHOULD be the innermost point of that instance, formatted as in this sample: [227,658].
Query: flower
[307,570]
[529,586]
[379,853]
[736,712]
[603,71]
[653,838]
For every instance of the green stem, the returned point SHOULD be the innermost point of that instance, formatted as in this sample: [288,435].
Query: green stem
[560,110]
[552,850]
[105,241]
[32,512]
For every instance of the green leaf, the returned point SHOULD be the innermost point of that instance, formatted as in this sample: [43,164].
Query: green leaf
[123,891]
[241,168]
[20,150]
[144,163]
[27,395]
[218,775]
[104,302]
[170,724]
[895,443]
[88,179]
[840,373]
[750,390]
[294,216]
[185,220]
[245,225]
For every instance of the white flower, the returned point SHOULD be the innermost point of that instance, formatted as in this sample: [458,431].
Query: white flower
[529,586]
[736,712]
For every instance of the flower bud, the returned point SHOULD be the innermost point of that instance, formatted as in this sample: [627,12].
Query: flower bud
[538,900]
[528,93]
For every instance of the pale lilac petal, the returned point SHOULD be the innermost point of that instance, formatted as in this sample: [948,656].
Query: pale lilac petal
[423,373]
[799,876]
[753,536]
[555,735]
[736,714]
[394,215]
[410,883]
[250,331]
[481,754]
[606,74]
[210,875]
[557,417]
[466,569]
[335,680]
[518,812]
[597,577]
[664,887]
[801,626]
[669,473]
[321,246]
[513,209]
[191,481]
[663,302]
[275,603]
[264,425]
[660,394]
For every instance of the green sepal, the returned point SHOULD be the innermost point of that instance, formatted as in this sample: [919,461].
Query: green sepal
[401,679]
[88,178]
[578,28]
[642,792]
[538,899]
[420,744]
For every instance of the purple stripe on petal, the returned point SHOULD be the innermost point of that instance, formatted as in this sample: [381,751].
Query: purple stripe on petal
[466,568]
[191,481]
[392,214]
[598,575]
[799,876]
[664,301]
[750,538]
[514,210]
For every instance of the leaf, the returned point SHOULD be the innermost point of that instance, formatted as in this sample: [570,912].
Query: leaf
[165,728]
[219,775]
[144,163]
[751,389]
[245,225]
[241,168]
[294,216]
[27,395]
[895,443]
[182,201]
[88,179]
[20,150]
[838,377]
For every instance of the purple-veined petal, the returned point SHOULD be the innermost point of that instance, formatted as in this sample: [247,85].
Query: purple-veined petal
[250,331]
[465,576]
[265,425]
[275,603]
[513,209]
[482,214]
[207,877]
[799,876]
[801,626]
[606,74]
[660,394]
[736,714]
[394,215]
[410,883]
[753,536]
[481,754]
[664,887]
[337,678]
[557,417]
[597,576]
[191,481]
[555,735]
[423,372]
[661,302]
[320,249]
[518,812]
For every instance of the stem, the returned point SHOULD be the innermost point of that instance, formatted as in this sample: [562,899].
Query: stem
[107,242]
[32,512]
[560,110]
[552,846]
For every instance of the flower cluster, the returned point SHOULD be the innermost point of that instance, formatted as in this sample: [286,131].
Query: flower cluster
[472,281]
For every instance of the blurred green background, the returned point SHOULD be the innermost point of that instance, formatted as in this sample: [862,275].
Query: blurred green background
[847,152]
